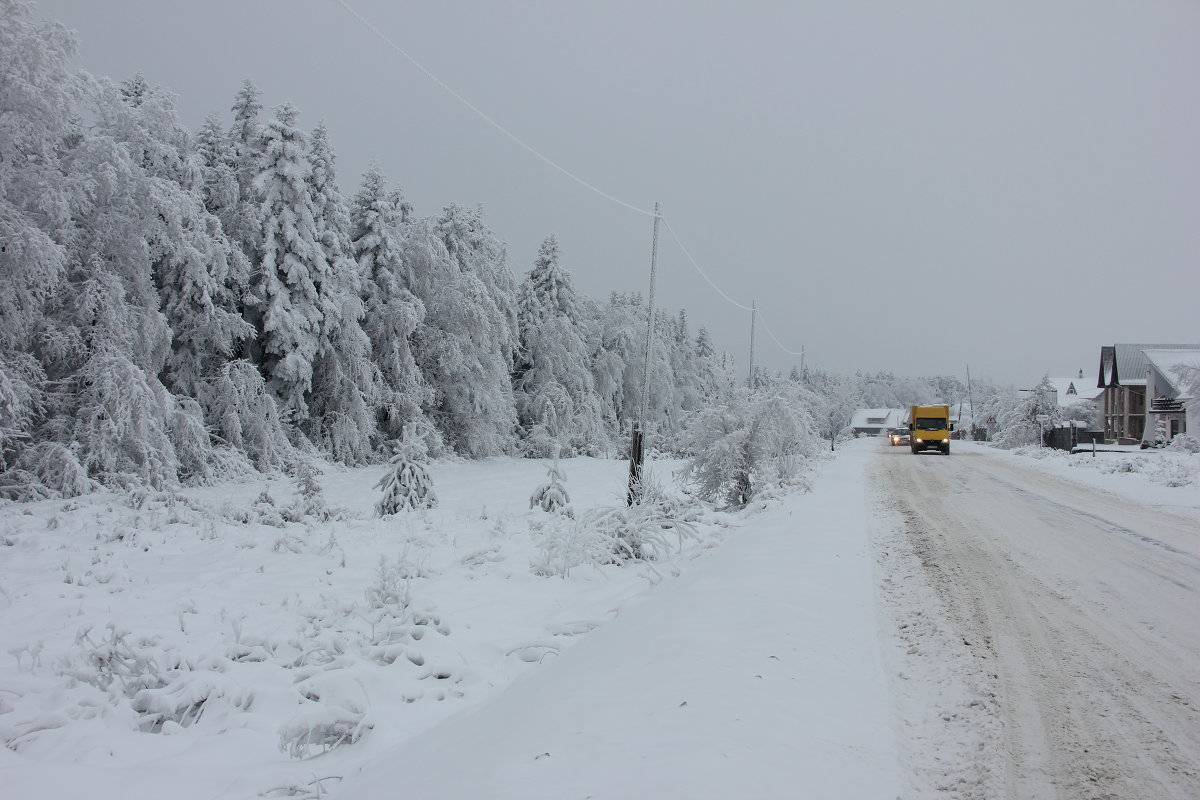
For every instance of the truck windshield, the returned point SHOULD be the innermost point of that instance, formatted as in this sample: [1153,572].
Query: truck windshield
[931,423]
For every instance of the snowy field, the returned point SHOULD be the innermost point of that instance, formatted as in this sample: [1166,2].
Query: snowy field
[233,642]
[250,641]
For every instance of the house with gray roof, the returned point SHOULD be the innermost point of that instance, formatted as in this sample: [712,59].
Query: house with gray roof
[1140,389]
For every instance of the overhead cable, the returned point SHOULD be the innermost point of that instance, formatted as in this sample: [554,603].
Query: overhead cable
[554,165]
[529,148]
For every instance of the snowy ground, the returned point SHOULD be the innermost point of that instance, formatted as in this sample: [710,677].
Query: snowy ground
[201,645]
[1048,633]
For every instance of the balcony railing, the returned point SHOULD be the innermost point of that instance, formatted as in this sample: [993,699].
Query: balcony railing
[1165,404]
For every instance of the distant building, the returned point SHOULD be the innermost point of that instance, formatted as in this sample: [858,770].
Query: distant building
[1140,389]
[1074,390]
[876,421]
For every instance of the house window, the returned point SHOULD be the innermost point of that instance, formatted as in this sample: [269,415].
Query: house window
[1175,431]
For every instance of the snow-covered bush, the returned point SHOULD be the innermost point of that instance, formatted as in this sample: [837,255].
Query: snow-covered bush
[744,439]
[1185,443]
[47,470]
[406,485]
[310,501]
[648,531]
[321,727]
[246,416]
[122,423]
[1024,422]
[552,496]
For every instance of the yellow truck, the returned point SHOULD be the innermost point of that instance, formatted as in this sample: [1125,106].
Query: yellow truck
[930,428]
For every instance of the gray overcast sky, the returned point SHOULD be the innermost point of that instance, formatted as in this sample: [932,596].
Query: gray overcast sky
[912,186]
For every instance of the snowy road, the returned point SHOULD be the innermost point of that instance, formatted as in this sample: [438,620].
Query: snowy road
[1068,620]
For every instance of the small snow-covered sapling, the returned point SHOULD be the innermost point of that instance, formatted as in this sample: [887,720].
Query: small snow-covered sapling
[551,496]
[406,485]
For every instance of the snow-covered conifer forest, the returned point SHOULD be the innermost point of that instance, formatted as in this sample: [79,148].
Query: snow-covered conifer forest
[186,307]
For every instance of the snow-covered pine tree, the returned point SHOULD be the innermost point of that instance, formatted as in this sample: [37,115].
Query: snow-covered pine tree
[552,379]
[246,152]
[285,302]
[392,312]
[466,345]
[218,174]
[193,262]
[406,485]
[246,417]
[38,98]
[341,419]
[552,495]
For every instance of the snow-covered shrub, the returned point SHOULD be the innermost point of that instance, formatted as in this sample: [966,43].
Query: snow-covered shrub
[647,531]
[321,727]
[640,532]
[246,416]
[122,424]
[47,470]
[1185,443]
[20,402]
[406,485]
[746,438]
[1176,473]
[193,447]
[115,662]
[310,502]
[552,496]
[1024,422]
[262,511]
[564,544]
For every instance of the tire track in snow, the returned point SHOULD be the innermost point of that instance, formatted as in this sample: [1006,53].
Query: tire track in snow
[1094,700]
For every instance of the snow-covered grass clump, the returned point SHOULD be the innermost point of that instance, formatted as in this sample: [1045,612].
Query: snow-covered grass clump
[258,625]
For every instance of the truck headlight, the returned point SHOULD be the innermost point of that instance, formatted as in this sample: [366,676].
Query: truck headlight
[945,441]
[920,440]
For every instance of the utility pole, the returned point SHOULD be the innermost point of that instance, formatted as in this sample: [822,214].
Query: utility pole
[637,444]
[971,401]
[753,319]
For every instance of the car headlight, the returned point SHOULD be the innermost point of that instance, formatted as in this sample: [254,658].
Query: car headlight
[945,441]
[919,440]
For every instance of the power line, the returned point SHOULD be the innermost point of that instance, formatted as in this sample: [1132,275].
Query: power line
[703,274]
[775,339]
[720,291]
[554,165]
[517,140]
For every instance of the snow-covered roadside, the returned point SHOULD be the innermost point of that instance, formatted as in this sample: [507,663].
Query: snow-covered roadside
[187,644]
[1160,478]
[757,673]
[747,662]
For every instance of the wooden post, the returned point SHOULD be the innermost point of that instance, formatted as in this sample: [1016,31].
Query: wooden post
[633,494]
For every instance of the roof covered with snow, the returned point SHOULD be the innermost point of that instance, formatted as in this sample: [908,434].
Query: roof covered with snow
[1072,390]
[877,418]
[1167,361]
[1126,364]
